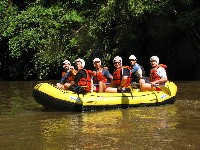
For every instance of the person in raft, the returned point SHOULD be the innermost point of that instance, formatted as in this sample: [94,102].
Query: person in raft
[158,75]
[137,72]
[82,79]
[68,76]
[121,77]
[100,76]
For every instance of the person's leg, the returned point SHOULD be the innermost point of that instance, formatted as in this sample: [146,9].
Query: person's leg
[95,88]
[102,86]
[146,87]
[141,81]
[111,90]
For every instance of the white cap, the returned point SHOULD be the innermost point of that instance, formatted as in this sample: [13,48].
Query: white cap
[133,57]
[155,58]
[82,61]
[96,59]
[66,62]
[117,58]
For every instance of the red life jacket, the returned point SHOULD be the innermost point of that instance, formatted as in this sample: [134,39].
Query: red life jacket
[117,77]
[69,78]
[153,72]
[98,76]
[86,81]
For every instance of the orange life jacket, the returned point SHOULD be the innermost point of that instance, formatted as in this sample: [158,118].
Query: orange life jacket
[117,77]
[153,72]
[86,81]
[98,76]
[69,78]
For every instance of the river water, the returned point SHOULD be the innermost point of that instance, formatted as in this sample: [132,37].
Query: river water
[24,124]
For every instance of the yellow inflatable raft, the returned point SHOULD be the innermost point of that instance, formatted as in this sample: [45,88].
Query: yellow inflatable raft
[52,98]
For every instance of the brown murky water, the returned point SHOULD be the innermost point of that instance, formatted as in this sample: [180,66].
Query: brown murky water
[25,125]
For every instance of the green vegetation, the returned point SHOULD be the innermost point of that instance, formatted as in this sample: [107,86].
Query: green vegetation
[37,35]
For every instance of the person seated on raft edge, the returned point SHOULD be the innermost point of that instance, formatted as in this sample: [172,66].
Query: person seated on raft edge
[137,72]
[121,78]
[100,76]
[82,79]
[67,79]
[158,75]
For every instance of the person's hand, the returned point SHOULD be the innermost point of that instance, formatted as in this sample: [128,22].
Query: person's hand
[73,71]
[154,84]
[58,85]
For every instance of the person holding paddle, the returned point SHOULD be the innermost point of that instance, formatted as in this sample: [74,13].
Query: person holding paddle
[158,76]
[68,76]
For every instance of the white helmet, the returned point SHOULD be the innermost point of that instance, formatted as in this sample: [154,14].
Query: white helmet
[155,58]
[133,57]
[82,62]
[67,62]
[117,58]
[96,59]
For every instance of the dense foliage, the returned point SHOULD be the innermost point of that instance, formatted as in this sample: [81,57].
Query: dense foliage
[37,35]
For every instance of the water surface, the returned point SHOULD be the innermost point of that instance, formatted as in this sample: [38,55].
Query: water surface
[24,124]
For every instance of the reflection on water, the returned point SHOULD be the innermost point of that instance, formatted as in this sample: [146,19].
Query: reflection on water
[107,129]
[25,124]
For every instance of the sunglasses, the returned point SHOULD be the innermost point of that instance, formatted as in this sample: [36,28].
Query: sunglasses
[132,60]
[117,62]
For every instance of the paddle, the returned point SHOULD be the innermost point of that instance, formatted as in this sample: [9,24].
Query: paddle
[162,88]
[65,76]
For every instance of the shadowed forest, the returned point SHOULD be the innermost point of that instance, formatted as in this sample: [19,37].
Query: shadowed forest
[36,36]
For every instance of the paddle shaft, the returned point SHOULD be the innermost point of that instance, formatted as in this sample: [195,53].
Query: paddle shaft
[65,76]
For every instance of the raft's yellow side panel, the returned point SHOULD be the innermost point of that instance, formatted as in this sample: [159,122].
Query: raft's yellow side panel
[99,99]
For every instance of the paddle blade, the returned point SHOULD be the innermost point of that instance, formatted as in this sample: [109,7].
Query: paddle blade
[165,89]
